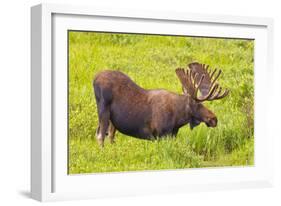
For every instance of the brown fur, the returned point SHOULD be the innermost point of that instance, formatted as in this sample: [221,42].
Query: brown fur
[145,114]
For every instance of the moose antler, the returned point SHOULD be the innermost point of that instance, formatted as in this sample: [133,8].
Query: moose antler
[182,75]
[206,83]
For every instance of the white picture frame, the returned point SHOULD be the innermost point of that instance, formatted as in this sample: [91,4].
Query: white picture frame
[49,179]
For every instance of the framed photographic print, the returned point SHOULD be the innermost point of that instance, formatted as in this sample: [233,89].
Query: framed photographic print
[134,102]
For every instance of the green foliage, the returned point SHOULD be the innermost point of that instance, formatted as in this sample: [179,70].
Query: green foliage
[129,154]
[151,61]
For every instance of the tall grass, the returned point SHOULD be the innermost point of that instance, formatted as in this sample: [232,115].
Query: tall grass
[151,61]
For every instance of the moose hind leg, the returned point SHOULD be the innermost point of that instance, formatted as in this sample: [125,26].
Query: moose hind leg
[103,123]
[111,132]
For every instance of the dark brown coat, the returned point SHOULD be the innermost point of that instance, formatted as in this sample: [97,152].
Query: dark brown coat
[141,113]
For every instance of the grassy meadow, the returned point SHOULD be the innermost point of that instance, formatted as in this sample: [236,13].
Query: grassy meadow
[151,60]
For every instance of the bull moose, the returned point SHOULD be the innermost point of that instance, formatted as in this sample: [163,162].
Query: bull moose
[151,114]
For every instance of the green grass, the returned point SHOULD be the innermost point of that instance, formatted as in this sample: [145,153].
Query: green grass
[151,61]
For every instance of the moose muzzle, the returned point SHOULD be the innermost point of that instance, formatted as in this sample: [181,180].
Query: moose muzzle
[212,122]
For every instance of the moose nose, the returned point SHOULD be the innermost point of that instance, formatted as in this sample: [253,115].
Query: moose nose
[212,122]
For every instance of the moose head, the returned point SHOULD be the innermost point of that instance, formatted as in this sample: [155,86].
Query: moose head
[199,77]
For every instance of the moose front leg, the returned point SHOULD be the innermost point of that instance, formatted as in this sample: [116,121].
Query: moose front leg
[175,132]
